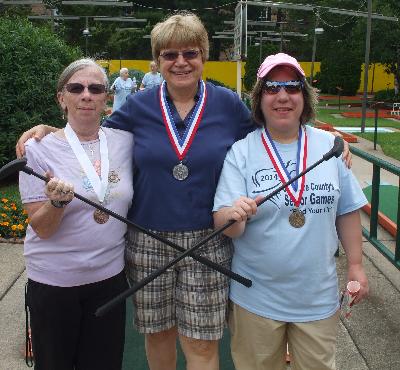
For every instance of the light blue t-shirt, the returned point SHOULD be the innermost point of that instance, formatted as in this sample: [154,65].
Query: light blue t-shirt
[151,79]
[293,269]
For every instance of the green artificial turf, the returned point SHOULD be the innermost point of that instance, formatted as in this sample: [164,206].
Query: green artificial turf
[328,116]
[389,142]
[388,200]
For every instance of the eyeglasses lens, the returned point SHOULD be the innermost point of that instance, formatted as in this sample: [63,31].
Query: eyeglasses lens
[291,87]
[186,54]
[77,88]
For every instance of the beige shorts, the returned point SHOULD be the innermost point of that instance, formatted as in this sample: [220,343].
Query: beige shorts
[258,343]
[189,295]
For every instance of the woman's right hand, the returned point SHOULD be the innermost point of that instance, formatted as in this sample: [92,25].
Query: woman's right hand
[59,190]
[242,209]
[37,132]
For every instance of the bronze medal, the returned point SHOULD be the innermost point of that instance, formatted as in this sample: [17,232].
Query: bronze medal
[180,171]
[100,217]
[297,218]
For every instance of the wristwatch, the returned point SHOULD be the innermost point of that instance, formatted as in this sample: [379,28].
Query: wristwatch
[60,203]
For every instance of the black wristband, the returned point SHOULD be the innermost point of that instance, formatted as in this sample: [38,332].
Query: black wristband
[60,203]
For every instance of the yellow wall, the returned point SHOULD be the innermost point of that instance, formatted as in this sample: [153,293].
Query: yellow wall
[225,72]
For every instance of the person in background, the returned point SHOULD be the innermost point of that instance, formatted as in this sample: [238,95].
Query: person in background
[123,86]
[74,253]
[134,84]
[152,78]
[287,246]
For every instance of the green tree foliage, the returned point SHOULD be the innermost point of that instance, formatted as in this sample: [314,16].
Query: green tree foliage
[31,60]
[254,61]
[341,68]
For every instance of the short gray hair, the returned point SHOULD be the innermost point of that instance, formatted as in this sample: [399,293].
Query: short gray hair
[122,70]
[76,66]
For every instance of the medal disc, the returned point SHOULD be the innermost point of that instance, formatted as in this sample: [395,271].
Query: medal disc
[180,172]
[297,218]
[100,217]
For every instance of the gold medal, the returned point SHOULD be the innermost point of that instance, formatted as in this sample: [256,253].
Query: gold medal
[100,217]
[297,218]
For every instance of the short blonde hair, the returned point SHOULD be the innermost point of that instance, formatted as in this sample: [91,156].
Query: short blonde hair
[182,29]
[123,70]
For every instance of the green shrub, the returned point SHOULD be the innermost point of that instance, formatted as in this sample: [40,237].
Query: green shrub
[340,68]
[31,61]
[387,95]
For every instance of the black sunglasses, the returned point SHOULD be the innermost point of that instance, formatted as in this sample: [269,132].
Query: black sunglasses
[291,87]
[172,55]
[77,88]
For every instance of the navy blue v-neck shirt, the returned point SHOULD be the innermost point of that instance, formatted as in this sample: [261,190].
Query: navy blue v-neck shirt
[160,202]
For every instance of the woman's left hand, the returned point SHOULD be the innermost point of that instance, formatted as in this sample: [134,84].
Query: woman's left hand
[357,273]
[346,156]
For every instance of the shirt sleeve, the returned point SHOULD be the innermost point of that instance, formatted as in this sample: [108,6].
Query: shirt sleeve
[121,118]
[232,184]
[31,188]
[351,195]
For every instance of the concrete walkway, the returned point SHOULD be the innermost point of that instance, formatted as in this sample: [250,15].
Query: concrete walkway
[370,339]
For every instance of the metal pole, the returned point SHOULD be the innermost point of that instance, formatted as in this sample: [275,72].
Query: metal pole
[239,78]
[366,66]
[376,124]
[261,41]
[314,50]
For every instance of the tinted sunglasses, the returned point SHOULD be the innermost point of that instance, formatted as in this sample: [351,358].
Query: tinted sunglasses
[77,88]
[172,55]
[291,87]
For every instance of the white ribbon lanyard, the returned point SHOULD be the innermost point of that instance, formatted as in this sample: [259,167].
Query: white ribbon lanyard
[99,184]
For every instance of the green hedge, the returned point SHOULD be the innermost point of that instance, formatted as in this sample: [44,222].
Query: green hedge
[341,67]
[31,59]
[387,96]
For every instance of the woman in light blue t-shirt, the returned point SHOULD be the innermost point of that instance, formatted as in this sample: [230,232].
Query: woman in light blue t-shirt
[287,246]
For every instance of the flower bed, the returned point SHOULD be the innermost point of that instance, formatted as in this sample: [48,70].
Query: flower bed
[13,221]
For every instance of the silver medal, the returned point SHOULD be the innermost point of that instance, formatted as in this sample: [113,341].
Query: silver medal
[180,172]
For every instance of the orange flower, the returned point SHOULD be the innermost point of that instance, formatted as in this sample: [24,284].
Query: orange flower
[4,200]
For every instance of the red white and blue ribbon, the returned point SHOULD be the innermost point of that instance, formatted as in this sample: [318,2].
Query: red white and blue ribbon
[296,189]
[182,144]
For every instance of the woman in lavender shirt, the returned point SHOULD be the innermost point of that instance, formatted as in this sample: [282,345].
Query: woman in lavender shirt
[74,254]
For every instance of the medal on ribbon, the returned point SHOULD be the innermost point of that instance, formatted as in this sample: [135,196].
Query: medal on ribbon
[182,144]
[99,182]
[295,190]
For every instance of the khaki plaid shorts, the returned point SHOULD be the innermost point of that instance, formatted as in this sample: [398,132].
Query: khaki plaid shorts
[189,295]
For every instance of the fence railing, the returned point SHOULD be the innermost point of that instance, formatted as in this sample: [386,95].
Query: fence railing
[372,233]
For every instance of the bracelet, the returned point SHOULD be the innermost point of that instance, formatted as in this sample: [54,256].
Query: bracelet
[60,203]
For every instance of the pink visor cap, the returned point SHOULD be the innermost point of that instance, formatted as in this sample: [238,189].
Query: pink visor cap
[280,59]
